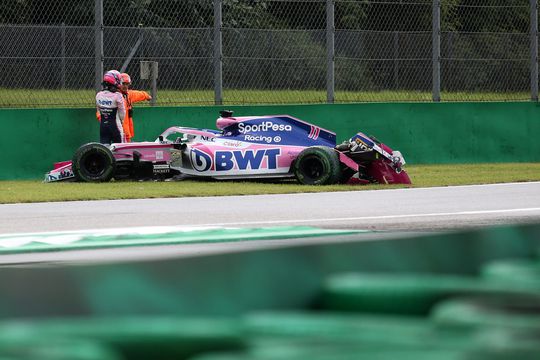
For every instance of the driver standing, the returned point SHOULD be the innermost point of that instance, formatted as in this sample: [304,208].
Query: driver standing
[111,109]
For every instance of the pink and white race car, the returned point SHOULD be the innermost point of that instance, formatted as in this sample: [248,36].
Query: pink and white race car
[253,147]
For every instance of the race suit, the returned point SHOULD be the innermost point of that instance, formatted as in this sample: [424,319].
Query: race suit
[112,111]
[131,97]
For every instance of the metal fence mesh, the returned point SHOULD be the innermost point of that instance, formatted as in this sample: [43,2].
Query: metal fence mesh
[273,51]
[485,49]
[383,50]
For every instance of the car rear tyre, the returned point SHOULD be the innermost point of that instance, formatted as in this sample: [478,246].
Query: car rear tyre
[93,162]
[317,165]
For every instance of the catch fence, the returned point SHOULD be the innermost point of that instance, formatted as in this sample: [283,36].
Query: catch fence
[203,52]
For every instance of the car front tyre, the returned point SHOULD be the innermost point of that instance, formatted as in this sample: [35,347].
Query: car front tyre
[93,162]
[317,165]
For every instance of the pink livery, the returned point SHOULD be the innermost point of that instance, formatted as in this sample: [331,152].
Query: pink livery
[254,147]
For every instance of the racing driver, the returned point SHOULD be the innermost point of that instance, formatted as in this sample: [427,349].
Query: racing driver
[111,109]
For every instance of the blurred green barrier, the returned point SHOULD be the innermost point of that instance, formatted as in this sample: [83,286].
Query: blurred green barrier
[514,272]
[24,346]
[338,354]
[138,337]
[236,282]
[266,303]
[409,293]
[349,330]
[509,344]
[505,312]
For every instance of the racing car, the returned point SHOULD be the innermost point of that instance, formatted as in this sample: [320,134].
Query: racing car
[249,147]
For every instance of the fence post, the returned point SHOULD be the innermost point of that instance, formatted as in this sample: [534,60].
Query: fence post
[63,56]
[396,61]
[330,51]
[436,55]
[98,32]
[154,77]
[534,50]
[218,53]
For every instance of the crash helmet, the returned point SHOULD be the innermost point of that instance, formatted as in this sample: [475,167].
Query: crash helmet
[125,82]
[125,78]
[116,73]
[111,79]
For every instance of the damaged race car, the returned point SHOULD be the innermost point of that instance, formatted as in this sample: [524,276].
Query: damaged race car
[253,147]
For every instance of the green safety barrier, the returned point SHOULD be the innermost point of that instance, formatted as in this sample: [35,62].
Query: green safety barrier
[506,312]
[240,281]
[143,337]
[405,293]
[514,272]
[369,331]
[25,346]
[266,303]
[342,354]
[117,238]
[426,133]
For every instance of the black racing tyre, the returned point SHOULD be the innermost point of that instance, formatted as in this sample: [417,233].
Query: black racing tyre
[519,313]
[317,165]
[93,162]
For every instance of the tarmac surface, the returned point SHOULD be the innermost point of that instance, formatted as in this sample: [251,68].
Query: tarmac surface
[385,214]
[415,209]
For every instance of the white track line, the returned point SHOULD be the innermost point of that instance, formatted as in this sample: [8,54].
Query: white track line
[383,217]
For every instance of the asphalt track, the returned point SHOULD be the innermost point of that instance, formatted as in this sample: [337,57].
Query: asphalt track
[415,209]
[390,213]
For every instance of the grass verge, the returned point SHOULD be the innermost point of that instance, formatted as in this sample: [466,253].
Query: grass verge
[421,175]
[23,98]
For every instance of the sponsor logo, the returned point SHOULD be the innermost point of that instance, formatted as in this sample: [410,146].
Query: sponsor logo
[249,159]
[235,159]
[159,155]
[208,138]
[263,127]
[266,139]
[161,168]
[105,102]
[200,160]
[232,143]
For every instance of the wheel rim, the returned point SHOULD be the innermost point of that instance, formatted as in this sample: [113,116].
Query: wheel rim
[312,168]
[94,164]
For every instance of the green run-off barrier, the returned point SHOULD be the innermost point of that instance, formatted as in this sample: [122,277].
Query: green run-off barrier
[425,133]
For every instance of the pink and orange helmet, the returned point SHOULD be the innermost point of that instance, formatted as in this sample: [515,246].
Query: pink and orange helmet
[112,77]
